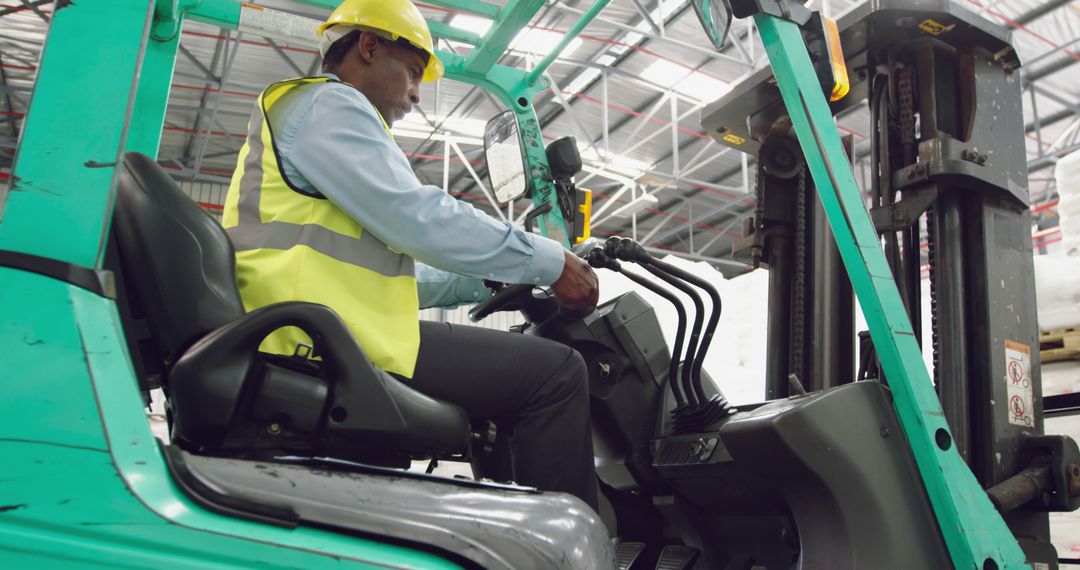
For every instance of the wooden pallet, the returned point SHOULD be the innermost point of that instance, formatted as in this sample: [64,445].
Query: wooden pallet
[1062,344]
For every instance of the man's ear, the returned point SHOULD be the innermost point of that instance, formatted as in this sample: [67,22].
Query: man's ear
[366,46]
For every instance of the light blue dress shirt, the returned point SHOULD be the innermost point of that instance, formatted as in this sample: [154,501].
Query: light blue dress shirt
[330,139]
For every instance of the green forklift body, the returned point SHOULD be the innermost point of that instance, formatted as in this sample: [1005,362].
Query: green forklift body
[86,483]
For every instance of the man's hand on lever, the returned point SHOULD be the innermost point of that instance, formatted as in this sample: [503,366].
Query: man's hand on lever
[577,287]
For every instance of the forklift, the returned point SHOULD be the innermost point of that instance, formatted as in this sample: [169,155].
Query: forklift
[285,462]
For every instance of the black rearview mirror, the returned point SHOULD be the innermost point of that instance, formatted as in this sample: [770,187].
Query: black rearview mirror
[505,161]
[715,17]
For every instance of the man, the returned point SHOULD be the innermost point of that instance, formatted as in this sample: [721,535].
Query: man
[325,208]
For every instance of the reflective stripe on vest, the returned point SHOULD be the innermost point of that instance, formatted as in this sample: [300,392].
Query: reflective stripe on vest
[294,246]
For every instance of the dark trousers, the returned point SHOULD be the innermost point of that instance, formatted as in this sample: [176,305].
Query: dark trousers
[533,389]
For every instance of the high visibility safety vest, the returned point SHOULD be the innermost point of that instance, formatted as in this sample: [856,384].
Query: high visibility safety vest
[295,246]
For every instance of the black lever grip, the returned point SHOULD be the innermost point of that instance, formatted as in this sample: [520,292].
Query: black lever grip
[626,250]
[599,259]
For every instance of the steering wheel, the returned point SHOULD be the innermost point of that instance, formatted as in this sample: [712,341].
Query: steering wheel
[511,298]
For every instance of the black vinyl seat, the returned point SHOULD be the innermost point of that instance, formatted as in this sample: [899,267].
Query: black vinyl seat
[177,272]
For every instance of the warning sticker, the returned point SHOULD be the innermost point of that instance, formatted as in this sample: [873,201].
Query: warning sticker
[935,28]
[1018,383]
[734,139]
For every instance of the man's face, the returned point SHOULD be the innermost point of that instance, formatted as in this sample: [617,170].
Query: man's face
[399,71]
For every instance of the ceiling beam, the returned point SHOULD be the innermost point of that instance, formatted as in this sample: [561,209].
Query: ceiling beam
[25,6]
[1036,13]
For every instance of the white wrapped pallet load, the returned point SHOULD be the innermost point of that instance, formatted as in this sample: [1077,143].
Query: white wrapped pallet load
[1057,291]
[1061,377]
[1067,174]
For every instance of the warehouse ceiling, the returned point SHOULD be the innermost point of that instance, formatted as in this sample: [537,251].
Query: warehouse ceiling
[630,90]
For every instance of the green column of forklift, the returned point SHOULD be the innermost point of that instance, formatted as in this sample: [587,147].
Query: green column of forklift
[115,281]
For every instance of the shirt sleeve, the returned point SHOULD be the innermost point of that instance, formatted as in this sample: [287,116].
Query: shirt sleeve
[343,150]
[438,288]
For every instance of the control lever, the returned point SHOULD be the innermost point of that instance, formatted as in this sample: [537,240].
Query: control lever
[599,259]
[628,250]
[635,251]
[613,248]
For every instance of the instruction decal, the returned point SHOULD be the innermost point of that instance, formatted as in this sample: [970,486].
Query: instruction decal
[934,27]
[734,139]
[1018,383]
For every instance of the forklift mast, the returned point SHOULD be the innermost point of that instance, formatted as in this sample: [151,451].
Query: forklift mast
[946,145]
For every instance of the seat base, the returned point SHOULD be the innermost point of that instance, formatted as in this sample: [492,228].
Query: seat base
[490,525]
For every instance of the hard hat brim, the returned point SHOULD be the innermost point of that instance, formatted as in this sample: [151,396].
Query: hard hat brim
[435,69]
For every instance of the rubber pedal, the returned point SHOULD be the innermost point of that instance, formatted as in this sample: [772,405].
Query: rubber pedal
[626,553]
[677,557]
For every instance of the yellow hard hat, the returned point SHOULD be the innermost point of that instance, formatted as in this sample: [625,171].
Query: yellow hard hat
[399,18]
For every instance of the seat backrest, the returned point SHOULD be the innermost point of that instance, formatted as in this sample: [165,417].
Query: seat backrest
[178,263]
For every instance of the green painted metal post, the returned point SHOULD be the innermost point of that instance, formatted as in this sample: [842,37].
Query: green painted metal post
[448,32]
[510,87]
[568,37]
[484,9]
[512,18]
[476,7]
[85,89]
[976,536]
[151,99]
[152,96]
[220,13]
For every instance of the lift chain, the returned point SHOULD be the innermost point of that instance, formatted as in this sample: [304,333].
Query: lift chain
[758,223]
[906,117]
[759,199]
[798,302]
[906,113]
[931,255]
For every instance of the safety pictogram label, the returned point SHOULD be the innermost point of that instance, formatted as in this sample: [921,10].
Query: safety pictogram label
[1018,384]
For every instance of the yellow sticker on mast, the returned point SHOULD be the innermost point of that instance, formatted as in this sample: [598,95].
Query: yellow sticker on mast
[1021,401]
[934,27]
[734,139]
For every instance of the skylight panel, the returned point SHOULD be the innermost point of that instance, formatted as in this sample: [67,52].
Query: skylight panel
[685,81]
[529,39]
[474,24]
[542,42]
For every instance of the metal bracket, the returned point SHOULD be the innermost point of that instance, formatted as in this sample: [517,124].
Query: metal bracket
[1051,482]
[168,18]
[901,215]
